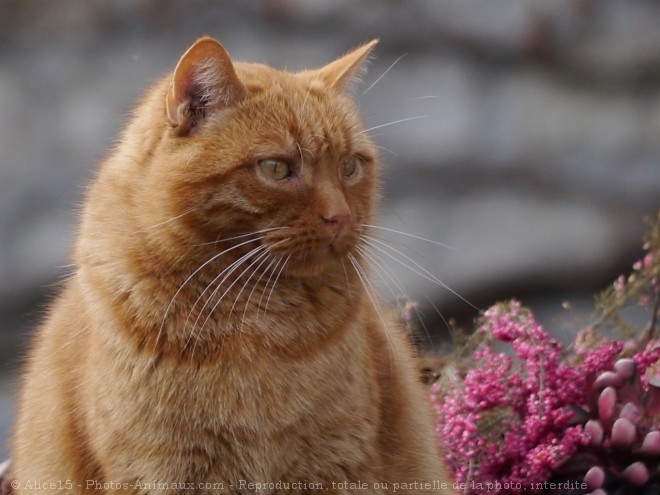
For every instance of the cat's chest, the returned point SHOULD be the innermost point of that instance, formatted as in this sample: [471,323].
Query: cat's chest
[251,386]
[260,411]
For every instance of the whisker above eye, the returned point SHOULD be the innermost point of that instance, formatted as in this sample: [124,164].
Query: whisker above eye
[386,149]
[410,235]
[383,74]
[417,98]
[392,123]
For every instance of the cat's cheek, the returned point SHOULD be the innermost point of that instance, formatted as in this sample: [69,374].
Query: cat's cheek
[288,185]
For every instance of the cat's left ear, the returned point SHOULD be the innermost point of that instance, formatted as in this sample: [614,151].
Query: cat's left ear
[204,81]
[343,72]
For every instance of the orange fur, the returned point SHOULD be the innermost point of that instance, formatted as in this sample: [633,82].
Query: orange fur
[150,368]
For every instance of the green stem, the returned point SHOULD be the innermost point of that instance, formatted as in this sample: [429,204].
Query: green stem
[654,314]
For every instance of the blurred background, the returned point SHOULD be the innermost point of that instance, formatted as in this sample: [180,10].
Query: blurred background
[532,147]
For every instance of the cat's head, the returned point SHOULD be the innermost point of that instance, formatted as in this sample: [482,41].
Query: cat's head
[250,149]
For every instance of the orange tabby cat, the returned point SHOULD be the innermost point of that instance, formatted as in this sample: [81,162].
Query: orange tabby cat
[218,335]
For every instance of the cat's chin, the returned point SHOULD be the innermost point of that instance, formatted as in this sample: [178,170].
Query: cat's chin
[314,263]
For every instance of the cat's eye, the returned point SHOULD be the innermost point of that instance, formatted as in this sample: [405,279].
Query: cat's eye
[349,166]
[274,168]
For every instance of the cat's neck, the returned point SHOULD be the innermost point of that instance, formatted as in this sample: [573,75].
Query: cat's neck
[201,318]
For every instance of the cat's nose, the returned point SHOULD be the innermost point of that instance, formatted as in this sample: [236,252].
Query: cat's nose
[336,221]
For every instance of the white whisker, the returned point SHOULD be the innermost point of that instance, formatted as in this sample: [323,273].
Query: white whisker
[442,317]
[421,271]
[263,258]
[302,158]
[278,259]
[410,235]
[275,282]
[392,123]
[231,269]
[263,254]
[430,97]
[172,219]
[256,284]
[241,236]
[348,283]
[369,291]
[377,264]
[362,275]
[386,271]
[382,75]
[386,149]
[227,273]
[201,267]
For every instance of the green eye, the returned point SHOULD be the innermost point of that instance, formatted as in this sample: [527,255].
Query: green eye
[349,166]
[275,169]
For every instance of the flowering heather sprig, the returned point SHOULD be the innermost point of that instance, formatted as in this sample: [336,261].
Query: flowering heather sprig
[510,422]
[641,287]
[509,419]
[647,361]
[408,309]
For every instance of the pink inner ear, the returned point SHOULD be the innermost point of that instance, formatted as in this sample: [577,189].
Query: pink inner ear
[187,89]
[204,81]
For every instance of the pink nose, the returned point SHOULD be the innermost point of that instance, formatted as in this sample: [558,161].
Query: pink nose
[336,222]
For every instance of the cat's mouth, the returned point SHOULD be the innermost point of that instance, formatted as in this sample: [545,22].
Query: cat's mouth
[314,261]
[320,254]
[308,252]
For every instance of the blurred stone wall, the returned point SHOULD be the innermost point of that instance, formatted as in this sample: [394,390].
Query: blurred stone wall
[533,148]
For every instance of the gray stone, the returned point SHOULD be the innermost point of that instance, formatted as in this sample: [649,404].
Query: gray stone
[495,233]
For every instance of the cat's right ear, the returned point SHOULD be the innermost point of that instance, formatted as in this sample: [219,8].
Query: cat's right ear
[204,81]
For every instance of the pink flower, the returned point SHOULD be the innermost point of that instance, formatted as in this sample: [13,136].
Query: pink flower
[620,284]
[509,419]
[646,360]
[540,413]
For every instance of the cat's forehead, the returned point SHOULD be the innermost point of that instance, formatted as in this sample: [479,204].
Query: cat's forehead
[297,87]
[298,111]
